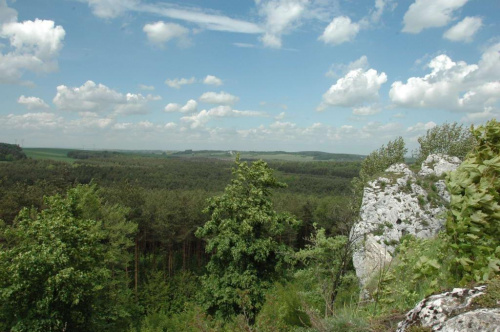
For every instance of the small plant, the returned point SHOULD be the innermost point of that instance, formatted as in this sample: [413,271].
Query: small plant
[388,225]
[425,223]
[391,243]
[421,200]
[379,230]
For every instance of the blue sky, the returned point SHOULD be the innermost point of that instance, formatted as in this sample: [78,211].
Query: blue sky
[332,75]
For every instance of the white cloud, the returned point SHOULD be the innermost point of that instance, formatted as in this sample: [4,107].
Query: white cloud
[355,88]
[424,14]
[114,8]
[7,15]
[36,45]
[42,120]
[92,97]
[337,70]
[32,102]
[212,80]
[380,6]
[111,8]
[245,45]
[200,119]
[190,107]
[177,83]
[366,110]
[160,33]
[339,31]
[281,16]
[454,86]
[481,117]
[146,87]
[421,127]
[464,30]
[280,116]
[221,98]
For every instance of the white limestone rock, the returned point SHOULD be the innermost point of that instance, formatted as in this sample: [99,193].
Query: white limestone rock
[438,164]
[452,311]
[395,205]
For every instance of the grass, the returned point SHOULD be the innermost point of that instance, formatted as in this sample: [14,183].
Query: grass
[48,153]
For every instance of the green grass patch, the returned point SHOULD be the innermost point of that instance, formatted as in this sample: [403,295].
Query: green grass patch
[48,153]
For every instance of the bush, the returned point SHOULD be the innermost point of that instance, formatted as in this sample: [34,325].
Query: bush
[449,139]
[379,160]
[473,224]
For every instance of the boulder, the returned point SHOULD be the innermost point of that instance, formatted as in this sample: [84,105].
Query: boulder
[397,203]
[453,311]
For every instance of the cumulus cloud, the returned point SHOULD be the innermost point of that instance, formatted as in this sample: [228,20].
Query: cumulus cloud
[42,120]
[281,16]
[111,8]
[212,80]
[35,45]
[32,103]
[92,97]
[190,107]
[421,127]
[355,88]
[337,70]
[177,83]
[451,85]
[221,98]
[424,14]
[160,33]
[340,30]
[464,30]
[200,119]
[7,14]
[366,110]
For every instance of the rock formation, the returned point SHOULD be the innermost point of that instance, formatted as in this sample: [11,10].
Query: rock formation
[453,311]
[397,203]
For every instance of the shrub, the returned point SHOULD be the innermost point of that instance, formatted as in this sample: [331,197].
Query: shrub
[450,139]
[473,224]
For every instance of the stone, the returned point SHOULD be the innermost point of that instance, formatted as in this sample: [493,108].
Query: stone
[453,311]
[395,205]
[438,164]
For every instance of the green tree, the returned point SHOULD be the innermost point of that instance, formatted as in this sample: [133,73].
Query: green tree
[243,237]
[63,268]
[450,139]
[473,223]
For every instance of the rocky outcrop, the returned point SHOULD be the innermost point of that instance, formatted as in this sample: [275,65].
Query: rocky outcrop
[453,311]
[399,202]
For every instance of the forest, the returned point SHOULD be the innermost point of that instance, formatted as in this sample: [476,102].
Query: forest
[113,241]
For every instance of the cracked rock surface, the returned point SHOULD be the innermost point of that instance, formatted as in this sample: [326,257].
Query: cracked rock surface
[452,311]
[396,204]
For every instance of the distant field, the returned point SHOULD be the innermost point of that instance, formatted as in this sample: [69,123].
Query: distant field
[48,153]
[272,155]
[62,155]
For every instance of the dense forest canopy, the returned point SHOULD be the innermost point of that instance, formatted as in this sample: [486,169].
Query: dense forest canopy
[111,241]
[10,152]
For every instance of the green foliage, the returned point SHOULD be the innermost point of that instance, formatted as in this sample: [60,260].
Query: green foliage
[473,223]
[55,265]
[379,160]
[449,139]
[282,309]
[420,267]
[11,152]
[243,238]
[327,260]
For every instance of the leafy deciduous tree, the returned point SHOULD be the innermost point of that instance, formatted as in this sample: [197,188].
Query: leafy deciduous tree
[243,236]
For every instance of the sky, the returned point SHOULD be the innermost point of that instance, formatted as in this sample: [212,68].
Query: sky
[343,76]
